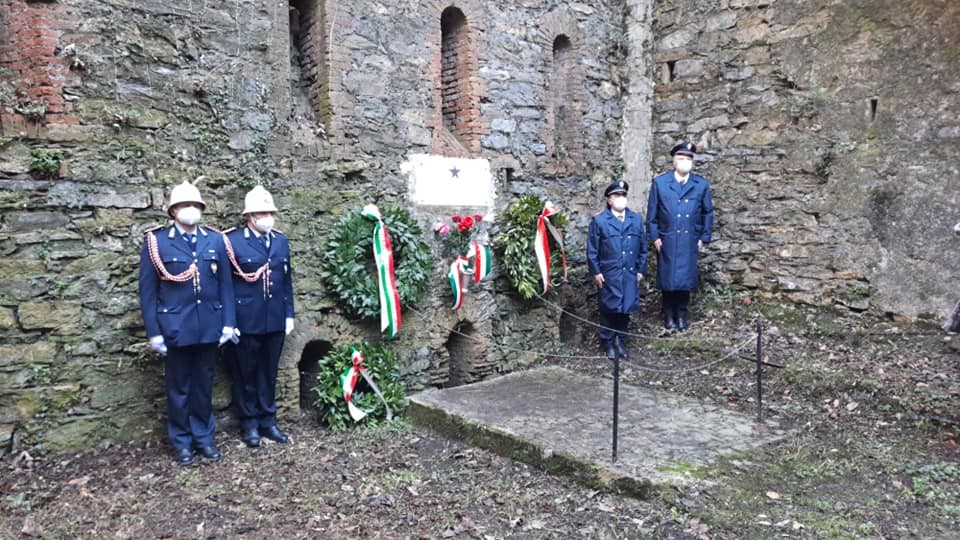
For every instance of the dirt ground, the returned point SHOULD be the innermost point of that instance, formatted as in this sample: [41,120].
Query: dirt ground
[872,407]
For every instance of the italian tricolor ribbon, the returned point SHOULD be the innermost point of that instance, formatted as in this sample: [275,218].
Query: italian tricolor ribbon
[482,261]
[542,244]
[349,380]
[390,317]
[455,274]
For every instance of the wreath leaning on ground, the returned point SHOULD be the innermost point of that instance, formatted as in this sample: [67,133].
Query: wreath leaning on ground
[348,270]
[515,239]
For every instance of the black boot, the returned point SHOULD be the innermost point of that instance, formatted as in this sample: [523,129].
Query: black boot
[621,347]
[669,317]
[668,322]
[611,351]
[682,319]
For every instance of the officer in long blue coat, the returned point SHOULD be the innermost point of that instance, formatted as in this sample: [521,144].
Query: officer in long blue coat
[679,221]
[262,277]
[187,302]
[617,259]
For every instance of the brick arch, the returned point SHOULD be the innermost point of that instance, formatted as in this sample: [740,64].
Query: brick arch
[461,135]
[561,41]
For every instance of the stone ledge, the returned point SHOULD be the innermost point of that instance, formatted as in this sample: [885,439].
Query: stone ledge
[560,421]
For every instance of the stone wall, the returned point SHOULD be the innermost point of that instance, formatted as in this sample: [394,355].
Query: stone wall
[830,132]
[108,104]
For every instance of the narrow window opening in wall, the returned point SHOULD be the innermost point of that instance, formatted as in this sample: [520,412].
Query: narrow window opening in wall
[560,83]
[454,79]
[669,74]
[309,366]
[463,349]
[506,174]
[874,102]
[308,63]
[568,326]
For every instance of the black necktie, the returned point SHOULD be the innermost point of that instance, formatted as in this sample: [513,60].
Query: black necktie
[190,238]
[263,242]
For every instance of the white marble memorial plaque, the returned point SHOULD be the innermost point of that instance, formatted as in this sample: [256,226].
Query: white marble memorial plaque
[445,181]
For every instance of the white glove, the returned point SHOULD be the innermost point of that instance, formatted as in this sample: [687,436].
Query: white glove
[156,343]
[289,326]
[227,334]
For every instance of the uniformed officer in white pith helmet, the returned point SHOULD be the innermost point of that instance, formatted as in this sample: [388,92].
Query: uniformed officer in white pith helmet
[187,302]
[262,277]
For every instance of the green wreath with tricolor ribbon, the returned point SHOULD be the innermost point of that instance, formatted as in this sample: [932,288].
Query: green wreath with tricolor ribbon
[348,269]
[521,229]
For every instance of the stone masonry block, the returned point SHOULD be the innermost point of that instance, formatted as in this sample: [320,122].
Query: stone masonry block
[61,316]
[34,353]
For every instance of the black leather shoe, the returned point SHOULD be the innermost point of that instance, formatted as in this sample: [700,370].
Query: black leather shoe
[621,349]
[210,452]
[682,323]
[185,457]
[274,434]
[251,437]
[611,352]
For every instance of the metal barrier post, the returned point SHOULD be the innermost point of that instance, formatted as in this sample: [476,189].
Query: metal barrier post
[616,402]
[759,371]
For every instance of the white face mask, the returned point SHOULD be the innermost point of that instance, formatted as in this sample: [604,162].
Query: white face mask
[684,166]
[264,224]
[189,215]
[619,204]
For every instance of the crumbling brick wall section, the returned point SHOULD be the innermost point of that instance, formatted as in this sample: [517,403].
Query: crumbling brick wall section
[35,68]
[308,27]
[456,43]
[562,65]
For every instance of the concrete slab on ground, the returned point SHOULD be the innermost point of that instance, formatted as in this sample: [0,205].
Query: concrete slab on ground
[561,421]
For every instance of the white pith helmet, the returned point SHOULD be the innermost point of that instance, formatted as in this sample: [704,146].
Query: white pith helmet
[185,192]
[258,200]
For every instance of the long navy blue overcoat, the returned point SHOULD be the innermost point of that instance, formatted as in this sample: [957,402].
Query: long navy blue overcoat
[679,216]
[618,250]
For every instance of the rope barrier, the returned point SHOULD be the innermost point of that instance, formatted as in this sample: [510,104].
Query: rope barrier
[734,351]
[662,337]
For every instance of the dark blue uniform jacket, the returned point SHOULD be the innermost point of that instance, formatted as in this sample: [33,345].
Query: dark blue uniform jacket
[618,250]
[262,310]
[186,313]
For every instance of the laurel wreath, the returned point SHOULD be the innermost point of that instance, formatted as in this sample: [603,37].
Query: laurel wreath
[348,270]
[515,239]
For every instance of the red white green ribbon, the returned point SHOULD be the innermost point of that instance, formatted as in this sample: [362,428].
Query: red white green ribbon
[482,261]
[542,244]
[390,317]
[349,380]
[455,275]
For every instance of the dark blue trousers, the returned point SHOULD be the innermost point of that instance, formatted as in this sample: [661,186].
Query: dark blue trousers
[675,303]
[188,372]
[254,368]
[613,324]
